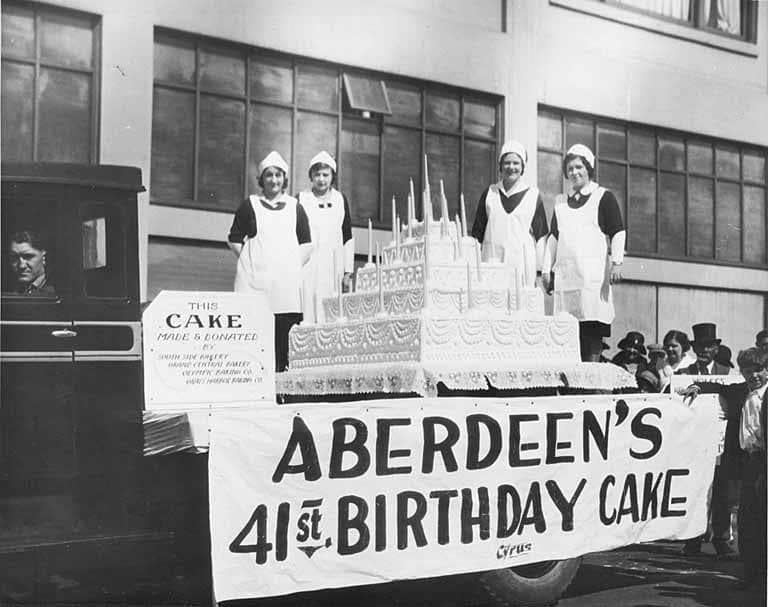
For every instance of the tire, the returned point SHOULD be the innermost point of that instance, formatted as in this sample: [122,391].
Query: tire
[531,585]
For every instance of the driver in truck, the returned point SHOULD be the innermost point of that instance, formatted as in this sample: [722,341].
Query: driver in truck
[27,257]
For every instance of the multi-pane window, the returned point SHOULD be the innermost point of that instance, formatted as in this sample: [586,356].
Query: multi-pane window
[220,108]
[736,18]
[682,196]
[50,84]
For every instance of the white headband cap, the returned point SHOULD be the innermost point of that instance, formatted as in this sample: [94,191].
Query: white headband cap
[323,158]
[582,150]
[514,147]
[273,159]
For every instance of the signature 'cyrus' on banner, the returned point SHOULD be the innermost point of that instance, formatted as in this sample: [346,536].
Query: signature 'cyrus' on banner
[325,496]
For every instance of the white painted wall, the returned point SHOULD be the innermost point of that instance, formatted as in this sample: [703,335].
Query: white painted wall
[603,67]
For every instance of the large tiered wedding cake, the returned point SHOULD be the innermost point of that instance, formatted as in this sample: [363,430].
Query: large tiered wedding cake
[428,311]
[430,301]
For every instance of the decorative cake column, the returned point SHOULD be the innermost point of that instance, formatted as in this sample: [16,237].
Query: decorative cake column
[425,271]
[397,239]
[337,282]
[444,216]
[477,260]
[380,280]
[410,213]
[463,216]
[394,220]
[518,291]
[370,241]
[469,286]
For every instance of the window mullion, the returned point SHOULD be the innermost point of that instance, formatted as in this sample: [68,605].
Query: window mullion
[423,154]
[247,138]
[461,148]
[295,119]
[95,93]
[36,104]
[196,162]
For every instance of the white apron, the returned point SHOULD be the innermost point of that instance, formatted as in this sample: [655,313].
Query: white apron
[509,234]
[271,261]
[322,274]
[582,266]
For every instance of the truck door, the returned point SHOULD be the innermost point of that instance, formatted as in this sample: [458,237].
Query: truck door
[37,409]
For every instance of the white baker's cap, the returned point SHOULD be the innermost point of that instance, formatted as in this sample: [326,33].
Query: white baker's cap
[579,149]
[514,147]
[273,159]
[323,158]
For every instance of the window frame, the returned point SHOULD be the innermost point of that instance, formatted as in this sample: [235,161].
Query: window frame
[39,11]
[687,30]
[687,138]
[340,113]
[698,20]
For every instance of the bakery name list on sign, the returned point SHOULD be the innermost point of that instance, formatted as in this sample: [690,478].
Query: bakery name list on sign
[401,491]
[212,346]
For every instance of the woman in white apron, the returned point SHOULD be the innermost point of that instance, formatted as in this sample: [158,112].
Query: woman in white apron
[333,248]
[510,221]
[585,251]
[271,237]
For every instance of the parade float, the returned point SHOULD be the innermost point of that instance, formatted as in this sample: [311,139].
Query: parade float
[434,421]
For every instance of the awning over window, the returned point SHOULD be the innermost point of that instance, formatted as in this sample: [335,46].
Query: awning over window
[366,94]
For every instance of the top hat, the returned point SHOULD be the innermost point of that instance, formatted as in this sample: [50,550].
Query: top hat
[633,340]
[705,334]
[656,348]
[723,356]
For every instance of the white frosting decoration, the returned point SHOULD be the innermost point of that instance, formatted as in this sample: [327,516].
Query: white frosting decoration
[472,332]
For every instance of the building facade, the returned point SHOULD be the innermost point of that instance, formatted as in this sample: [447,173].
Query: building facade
[672,95]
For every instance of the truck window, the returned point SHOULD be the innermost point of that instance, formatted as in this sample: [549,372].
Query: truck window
[30,252]
[104,248]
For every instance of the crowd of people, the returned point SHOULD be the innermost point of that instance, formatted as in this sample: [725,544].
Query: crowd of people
[653,365]
[739,480]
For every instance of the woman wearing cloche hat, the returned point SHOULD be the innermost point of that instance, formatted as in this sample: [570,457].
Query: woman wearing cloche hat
[510,221]
[271,238]
[333,252]
[585,251]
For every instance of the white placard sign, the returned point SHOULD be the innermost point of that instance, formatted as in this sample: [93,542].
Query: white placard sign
[208,348]
[679,383]
[334,495]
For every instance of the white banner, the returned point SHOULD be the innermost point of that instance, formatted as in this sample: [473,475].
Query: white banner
[324,496]
[204,349]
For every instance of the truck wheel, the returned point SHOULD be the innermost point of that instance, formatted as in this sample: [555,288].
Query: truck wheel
[529,585]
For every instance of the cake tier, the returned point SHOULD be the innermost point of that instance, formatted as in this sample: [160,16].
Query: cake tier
[461,339]
[423,379]
[441,250]
[448,275]
[441,303]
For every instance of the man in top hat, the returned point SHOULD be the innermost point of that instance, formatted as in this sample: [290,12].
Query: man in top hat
[705,345]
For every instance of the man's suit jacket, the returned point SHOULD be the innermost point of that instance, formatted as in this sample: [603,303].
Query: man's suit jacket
[717,369]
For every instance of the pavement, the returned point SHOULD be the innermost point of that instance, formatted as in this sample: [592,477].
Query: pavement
[659,575]
[646,575]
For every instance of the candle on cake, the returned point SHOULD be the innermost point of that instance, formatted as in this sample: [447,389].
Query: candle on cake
[463,215]
[370,241]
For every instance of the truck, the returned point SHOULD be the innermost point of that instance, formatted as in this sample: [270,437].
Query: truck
[86,515]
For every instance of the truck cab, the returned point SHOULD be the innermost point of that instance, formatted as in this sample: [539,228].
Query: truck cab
[76,495]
